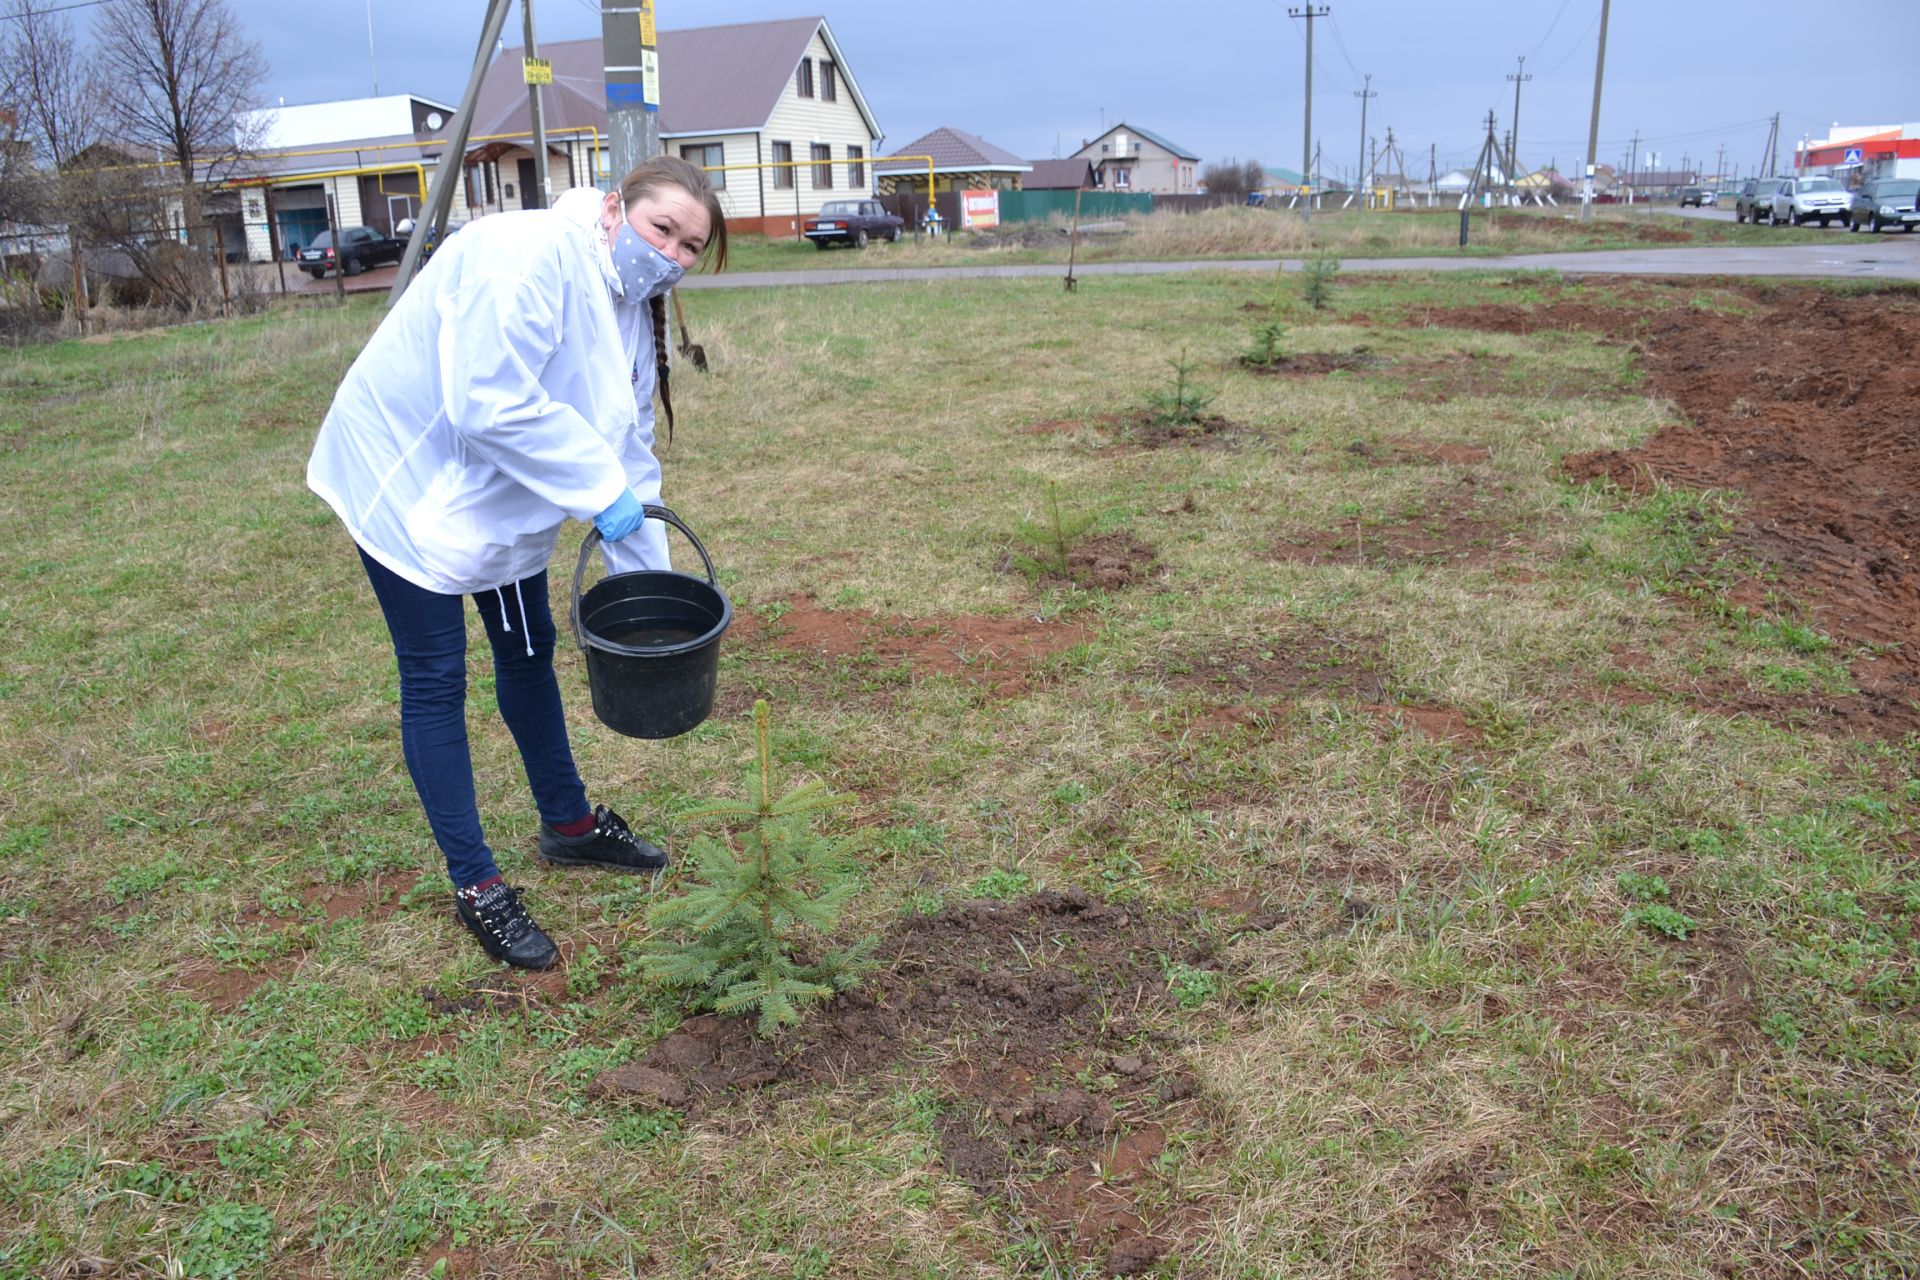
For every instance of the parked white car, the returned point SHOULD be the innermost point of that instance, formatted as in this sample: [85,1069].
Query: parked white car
[1803,200]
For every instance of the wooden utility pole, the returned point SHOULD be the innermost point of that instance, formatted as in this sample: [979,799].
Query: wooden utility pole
[1364,92]
[535,73]
[1309,12]
[1593,126]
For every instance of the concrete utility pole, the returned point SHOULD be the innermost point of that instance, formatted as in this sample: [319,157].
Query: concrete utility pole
[1720,165]
[543,189]
[1364,92]
[630,51]
[1593,127]
[1633,165]
[1513,146]
[1309,12]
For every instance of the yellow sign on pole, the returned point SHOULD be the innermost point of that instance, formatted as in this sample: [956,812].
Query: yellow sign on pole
[647,36]
[536,71]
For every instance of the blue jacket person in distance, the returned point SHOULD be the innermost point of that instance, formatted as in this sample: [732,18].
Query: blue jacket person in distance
[510,389]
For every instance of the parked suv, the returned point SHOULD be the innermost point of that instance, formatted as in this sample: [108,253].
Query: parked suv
[362,247]
[1755,201]
[1887,203]
[852,222]
[1803,200]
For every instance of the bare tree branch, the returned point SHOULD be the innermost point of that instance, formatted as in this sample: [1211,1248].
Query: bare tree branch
[182,71]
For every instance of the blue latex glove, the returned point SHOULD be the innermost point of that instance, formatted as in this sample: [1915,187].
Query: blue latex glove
[622,518]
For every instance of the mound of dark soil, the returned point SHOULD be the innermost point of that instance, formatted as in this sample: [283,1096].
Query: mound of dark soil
[1050,1017]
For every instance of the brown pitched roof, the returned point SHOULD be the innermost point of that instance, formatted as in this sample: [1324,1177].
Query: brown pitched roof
[712,80]
[952,149]
[1058,175]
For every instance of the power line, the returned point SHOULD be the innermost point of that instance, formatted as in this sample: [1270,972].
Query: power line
[1341,41]
[1578,45]
[1291,12]
[1550,26]
[83,4]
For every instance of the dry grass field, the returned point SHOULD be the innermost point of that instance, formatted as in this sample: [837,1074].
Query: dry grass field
[1350,843]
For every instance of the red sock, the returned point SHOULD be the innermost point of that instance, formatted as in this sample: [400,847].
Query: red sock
[578,827]
[475,890]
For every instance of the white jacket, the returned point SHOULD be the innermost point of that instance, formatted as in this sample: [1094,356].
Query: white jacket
[507,391]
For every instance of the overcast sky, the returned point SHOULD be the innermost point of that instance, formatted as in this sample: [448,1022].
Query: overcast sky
[1223,78]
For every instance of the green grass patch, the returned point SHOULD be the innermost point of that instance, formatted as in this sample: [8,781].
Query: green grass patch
[1519,960]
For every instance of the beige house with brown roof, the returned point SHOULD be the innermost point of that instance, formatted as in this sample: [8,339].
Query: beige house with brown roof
[773,94]
[956,160]
[1128,158]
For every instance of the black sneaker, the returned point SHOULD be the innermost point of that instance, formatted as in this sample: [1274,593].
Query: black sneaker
[495,916]
[610,845]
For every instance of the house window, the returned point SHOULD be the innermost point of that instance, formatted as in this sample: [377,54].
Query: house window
[822,166]
[783,156]
[829,74]
[709,155]
[803,78]
[1122,177]
[856,169]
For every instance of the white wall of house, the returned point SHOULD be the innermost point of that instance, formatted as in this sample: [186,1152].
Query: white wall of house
[739,190]
[253,217]
[1148,166]
[804,122]
[319,124]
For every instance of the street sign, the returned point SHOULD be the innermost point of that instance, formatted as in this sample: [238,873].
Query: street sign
[1852,156]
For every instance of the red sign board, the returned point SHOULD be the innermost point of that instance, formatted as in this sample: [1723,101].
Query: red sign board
[979,209]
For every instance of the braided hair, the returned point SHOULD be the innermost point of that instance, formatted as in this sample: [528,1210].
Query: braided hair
[644,180]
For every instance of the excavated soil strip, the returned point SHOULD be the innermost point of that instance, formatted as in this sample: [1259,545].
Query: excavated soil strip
[1811,409]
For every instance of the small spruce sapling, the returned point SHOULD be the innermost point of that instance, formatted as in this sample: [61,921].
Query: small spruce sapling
[737,927]
[1268,335]
[1181,404]
[1052,540]
[1318,275]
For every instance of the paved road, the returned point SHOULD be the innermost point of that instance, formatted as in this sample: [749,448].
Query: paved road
[1831,254]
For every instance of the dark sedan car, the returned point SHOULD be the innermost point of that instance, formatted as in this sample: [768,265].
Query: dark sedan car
[361,247]
[853,222]
[1889,202]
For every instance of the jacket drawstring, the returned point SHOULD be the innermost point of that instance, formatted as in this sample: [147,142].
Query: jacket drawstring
[506,623]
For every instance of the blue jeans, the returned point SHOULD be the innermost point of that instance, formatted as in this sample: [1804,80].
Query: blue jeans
[430,641]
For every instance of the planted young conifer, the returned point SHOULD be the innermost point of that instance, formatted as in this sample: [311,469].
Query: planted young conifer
[731,940]
[1051,540]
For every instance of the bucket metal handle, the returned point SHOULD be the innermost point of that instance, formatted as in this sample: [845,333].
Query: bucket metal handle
[593,539]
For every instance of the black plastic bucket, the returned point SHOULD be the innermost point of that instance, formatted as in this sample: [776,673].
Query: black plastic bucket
[652,642]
